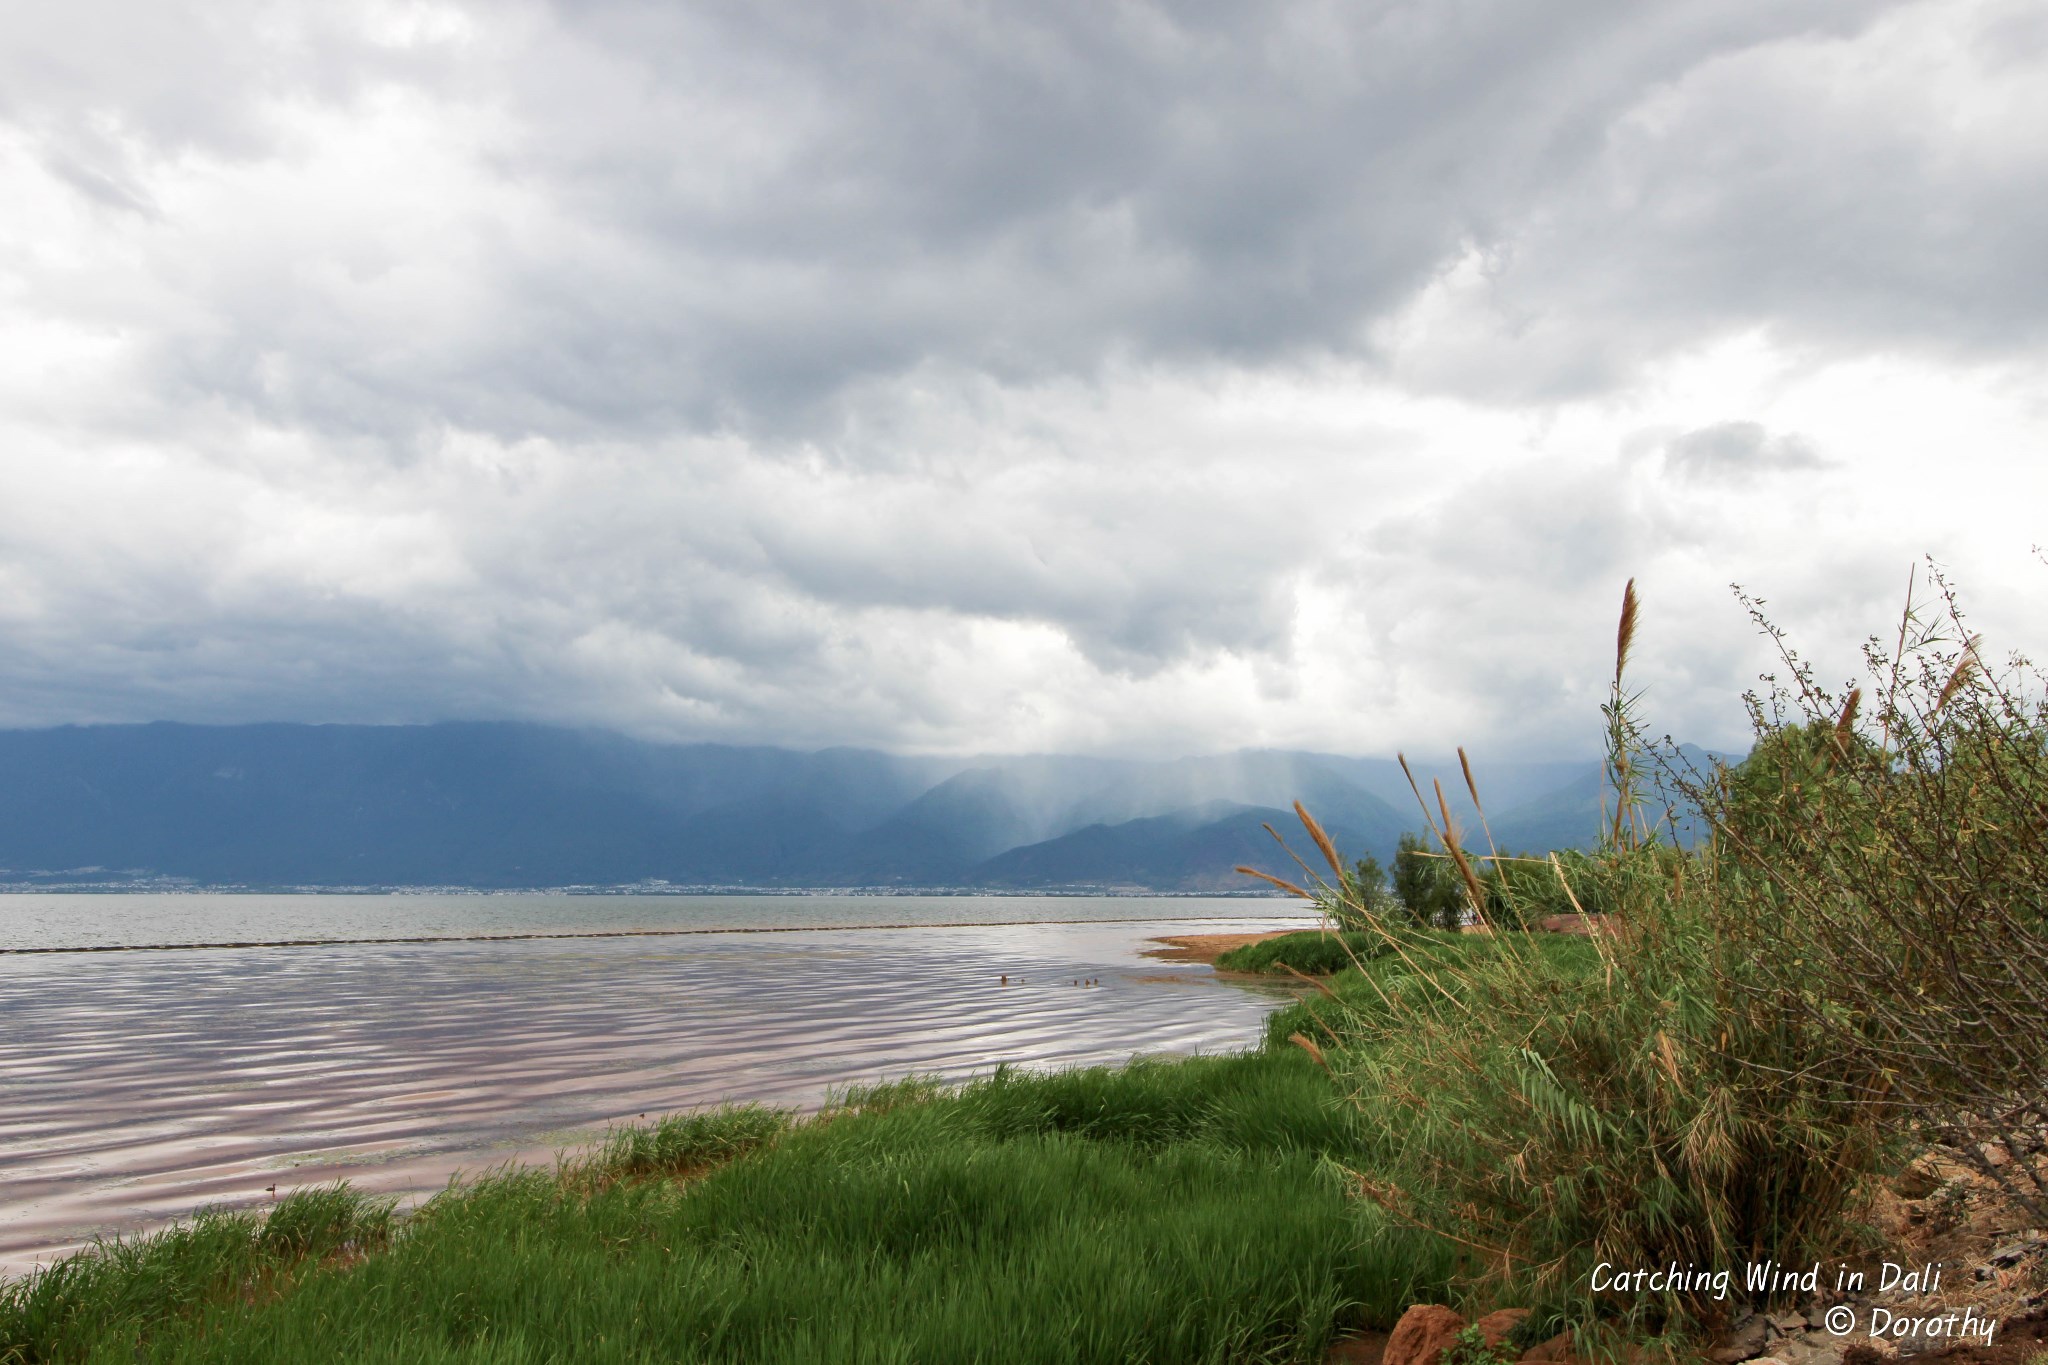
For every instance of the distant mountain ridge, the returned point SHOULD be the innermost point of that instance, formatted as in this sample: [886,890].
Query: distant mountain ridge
[506,805]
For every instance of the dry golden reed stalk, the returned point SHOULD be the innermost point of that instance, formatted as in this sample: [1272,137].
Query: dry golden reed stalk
[1625,633]
[1410,775]
[1283,884]
[1619,740]
[1966,667]
[1472,787]
[1308,1045]
[1315,832]
[1464,867]
[1845,725]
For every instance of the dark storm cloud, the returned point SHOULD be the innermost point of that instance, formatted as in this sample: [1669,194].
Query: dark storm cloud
[727,214]
[1030,191]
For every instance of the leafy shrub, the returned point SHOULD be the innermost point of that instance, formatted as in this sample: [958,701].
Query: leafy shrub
[1550,1119]
[1427,885]
[1885,874]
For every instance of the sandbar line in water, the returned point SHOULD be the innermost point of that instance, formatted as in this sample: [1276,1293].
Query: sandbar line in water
[594,933]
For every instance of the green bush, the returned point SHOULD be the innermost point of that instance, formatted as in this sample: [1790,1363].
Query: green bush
[1313,952]
[1885,876]
[1521,890]
[1427,885]
[1682,1098]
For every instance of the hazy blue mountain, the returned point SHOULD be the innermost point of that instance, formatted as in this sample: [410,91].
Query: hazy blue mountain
[1571,815]
[461,804]
[1251,777]
[1568,817]
[1503,786]
[1195,849]
[932,841]
[509,805]
[945,835]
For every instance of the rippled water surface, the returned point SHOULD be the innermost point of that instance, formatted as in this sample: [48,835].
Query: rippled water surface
[137,1085]
[40,920]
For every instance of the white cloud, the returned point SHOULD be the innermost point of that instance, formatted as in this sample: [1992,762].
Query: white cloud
[1036,380]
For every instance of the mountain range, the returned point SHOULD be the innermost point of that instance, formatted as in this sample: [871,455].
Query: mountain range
[507,805]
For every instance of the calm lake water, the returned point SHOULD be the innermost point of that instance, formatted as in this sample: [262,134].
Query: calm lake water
[137,1085]
[82,920]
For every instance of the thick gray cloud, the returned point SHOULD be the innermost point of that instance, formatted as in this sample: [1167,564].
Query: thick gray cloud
[724,215]
[1871,192]
[1148,376]
[1739,450]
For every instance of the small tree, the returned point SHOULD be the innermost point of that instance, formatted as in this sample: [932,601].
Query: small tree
[1427,885]
[1364,897]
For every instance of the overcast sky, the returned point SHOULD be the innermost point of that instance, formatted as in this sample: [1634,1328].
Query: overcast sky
[1083,377]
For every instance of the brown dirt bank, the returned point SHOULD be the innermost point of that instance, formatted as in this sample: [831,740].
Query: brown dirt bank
[1206,947]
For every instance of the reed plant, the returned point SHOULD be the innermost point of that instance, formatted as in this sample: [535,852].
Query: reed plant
[1653,1106]
[1638,1114]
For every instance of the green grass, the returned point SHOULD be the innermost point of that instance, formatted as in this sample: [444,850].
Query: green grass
[683,1144]
[1313,952]
[1184,1211]
[127,1289]
[1554,1102]
[1378,988]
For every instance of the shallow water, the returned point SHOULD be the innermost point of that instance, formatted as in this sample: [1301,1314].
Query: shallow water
[45,920]
[136,1086]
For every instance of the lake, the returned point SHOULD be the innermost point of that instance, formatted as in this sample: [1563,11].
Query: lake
[138,1083]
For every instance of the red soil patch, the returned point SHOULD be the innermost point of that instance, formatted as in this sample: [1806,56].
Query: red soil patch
[1364,1349]
[1206,947]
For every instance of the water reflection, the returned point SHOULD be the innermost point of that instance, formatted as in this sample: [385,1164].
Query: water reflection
[137,1086]
[40,921]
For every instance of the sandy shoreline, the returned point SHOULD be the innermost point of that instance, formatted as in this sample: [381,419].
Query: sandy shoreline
[1206,948]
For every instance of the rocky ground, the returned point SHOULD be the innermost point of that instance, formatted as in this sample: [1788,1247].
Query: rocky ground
[1971,1254]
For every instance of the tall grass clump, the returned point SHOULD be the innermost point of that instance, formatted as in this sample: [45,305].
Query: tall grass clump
[119,1294]
[1647,1105]
[1639,1113]
[1882,861]
[688,1143]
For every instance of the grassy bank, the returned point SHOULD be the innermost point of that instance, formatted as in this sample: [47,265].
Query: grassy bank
[1163,1211]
